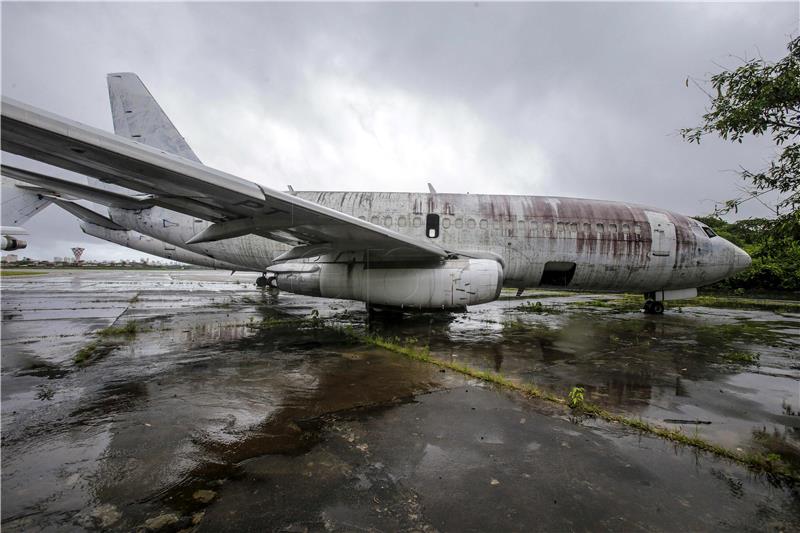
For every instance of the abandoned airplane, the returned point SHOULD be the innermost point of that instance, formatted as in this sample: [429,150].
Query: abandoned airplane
[388,249]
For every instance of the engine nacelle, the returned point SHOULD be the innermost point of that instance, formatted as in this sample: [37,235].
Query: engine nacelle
[453,284]
[10,244]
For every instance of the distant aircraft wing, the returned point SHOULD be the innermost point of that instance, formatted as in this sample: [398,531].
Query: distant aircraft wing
[235,205]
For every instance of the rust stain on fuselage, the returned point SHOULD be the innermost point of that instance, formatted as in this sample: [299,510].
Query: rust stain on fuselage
[611,242]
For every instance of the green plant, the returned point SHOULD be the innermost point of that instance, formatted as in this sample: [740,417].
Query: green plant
[575,398]
[128,330]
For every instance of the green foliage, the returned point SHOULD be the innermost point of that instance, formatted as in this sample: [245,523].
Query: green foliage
[8,273]
[742,357]
[775,253]
[86,352]
[575,399]
[128,330]
[759,98]
[762,98]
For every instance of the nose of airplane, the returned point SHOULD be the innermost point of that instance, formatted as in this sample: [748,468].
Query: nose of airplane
[741,260]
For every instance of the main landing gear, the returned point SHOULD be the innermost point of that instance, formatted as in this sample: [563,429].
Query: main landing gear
[261,281]
[653,307]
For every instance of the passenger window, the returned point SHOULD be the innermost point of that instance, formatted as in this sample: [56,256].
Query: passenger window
[496,224]
[401,221]
[587,228]
[560,227]
[626,229]
[432,226]
[637,229]
[375,219]
[548,227]
[600,228]
[446,223]
[459,223]
[471,223]
[521,226]
[534,228]
[612,228]
[709,232]
[573,228]
[362,218]
[484,223]
[387,222]
[417,222]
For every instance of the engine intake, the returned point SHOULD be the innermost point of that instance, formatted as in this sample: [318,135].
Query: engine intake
[10,244]
[453,284]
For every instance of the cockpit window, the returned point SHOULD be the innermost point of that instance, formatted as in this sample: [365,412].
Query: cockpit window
[709,232]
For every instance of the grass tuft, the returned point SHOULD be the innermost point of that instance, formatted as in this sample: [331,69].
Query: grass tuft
[108,339]
[538,307]
[130,330]
[10,273]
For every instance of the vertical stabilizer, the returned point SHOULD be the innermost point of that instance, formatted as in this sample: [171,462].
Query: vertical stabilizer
[138,116]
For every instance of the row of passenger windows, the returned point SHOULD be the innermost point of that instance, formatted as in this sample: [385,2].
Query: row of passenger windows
[521,225]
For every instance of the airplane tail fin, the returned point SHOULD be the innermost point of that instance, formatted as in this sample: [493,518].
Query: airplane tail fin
[19,204]
[138,116]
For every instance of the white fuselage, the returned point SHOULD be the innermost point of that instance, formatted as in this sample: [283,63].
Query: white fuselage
[568,242]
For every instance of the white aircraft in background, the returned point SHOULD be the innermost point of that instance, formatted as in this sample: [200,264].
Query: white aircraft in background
[18,206]
[388,249]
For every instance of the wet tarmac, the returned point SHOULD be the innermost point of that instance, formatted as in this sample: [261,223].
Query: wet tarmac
[220,412]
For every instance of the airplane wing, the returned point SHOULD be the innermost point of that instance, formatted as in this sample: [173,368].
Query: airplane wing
[235,205]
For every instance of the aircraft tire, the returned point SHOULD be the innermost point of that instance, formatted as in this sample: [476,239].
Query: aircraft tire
[261,282]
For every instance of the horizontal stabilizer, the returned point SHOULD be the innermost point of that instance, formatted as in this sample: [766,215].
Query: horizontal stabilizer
[87,215]
[18,204]
[60,187]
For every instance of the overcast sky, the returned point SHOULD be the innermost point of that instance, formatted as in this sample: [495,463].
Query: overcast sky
[553,99]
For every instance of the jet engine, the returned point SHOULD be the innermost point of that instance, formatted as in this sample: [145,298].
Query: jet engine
[452,284]
[11,244]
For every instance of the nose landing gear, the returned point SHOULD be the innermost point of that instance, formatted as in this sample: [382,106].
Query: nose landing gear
[653,307]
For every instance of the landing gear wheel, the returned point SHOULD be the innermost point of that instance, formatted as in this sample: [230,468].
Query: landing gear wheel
[261,282]
[648,307]
[658,308]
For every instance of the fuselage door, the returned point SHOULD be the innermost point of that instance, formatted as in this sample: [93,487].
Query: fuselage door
[663,233]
